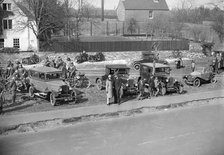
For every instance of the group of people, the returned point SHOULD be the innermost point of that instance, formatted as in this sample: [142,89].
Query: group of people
[68,70]
[217,63]
[152,84]
[15,75]
[114,89]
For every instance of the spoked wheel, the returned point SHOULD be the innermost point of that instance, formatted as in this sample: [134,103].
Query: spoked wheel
[88,83]
[99,84]
[197,83]
[74,96]
[136,66]
[213,80]
[31,91]
[52,99]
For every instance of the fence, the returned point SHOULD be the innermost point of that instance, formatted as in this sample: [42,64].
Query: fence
[109,46]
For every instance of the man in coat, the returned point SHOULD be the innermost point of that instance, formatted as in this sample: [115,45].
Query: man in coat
[13,87]
[117,89]
[109,89]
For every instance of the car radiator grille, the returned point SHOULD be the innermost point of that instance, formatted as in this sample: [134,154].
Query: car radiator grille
[65,89]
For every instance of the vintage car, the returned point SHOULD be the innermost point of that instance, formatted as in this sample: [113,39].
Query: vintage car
[46,83]
[33,59]
[199,76]
[147,57]
[128,84]
[162,71]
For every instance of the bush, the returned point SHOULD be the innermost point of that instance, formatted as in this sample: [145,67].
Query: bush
[9,50]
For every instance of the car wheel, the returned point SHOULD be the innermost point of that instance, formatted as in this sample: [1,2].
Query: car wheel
[88,83]
[213,80]
[52,99]
[99,84]
[74,96]
[136,66]
[197,82]
[163,91]
[31,91]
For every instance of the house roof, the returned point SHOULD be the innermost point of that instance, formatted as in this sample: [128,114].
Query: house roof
[44,69]
[145,5]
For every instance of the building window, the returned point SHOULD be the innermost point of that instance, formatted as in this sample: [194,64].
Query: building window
[7,24]
[150,14]
[16,43]
[156,1]
[1,43]
[7,6]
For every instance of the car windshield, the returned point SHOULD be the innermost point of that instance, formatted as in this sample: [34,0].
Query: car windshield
[163,70]
[51,76]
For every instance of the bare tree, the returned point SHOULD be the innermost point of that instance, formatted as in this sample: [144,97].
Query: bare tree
[132,25]
[43,17]
[218,26]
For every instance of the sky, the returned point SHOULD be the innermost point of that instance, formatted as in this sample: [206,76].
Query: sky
[112,4]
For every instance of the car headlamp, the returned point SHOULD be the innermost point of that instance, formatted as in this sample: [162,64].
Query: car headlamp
[60,89]
[78,77]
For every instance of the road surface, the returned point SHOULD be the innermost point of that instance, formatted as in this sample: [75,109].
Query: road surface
[186,131]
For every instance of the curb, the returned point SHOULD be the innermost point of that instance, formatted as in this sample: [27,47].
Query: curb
[58,122]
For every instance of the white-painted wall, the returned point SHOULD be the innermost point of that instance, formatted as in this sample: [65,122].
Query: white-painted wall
[25,35]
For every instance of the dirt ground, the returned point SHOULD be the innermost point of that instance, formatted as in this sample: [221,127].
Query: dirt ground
[92,96]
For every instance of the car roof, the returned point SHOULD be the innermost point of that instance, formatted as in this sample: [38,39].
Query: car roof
[117,66]
[158,65]
[44,69]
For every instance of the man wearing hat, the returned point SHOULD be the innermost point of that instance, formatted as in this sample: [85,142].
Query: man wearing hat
[109,89]
[13,87]
[117,88]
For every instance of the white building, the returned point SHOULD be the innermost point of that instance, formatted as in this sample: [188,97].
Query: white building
[16,34]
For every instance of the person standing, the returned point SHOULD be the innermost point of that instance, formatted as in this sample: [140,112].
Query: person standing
[117,88]
[192,65]
[13,87]
[150,86]
[64,71]
[109,89]
[47,62]
[156,84]
[140,88]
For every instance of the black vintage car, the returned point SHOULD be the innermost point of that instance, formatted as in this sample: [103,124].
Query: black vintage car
[162,71]
[129,85]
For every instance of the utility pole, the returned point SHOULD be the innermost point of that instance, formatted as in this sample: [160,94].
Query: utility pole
[102,7]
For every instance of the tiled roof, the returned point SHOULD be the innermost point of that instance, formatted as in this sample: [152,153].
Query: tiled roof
[145,5]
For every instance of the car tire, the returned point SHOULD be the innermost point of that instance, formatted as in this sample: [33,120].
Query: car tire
[31,91]
[213,80]
[99,84]
[197,82]
[74,96]
[136,66]
[53,99]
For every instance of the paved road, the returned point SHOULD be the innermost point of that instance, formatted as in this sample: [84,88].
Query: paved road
[188,131]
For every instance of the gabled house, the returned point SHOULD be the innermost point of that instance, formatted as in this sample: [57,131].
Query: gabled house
[14,34]
[140,10]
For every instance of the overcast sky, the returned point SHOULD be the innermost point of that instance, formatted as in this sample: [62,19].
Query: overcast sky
[112,4]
